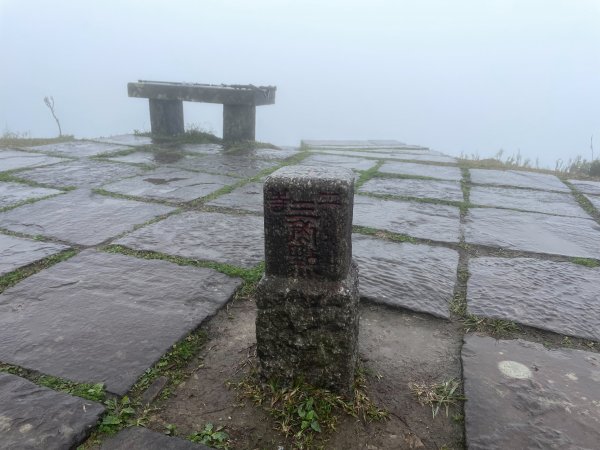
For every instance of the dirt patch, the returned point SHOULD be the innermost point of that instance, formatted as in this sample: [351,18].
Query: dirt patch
[396,348]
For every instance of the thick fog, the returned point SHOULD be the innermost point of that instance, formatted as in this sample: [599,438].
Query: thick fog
[458,76]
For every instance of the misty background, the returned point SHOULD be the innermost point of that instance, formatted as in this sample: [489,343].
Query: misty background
[457,76]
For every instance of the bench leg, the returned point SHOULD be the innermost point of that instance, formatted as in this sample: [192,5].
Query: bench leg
[166,117]
[239,122]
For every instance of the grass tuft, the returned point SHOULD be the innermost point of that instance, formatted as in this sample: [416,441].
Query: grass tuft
[438,395]
[304,413]
[587,262]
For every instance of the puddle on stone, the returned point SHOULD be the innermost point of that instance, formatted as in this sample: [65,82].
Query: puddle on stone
[171,184]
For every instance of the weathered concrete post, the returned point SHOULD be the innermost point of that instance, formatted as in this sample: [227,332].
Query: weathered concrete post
[307,322]
[239,122]
[166,117]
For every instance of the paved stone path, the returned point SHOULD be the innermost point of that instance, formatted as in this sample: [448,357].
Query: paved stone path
[104,314]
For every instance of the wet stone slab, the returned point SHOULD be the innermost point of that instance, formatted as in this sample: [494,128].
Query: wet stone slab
[78,149]
[422,170]
[130,140]
[149,157]
[528,200]
[595,200]
[416,277]
[35,417]
[421,220]
[274,153]
[226,164]
[443,190]
[16,252]
[346,162]
[80,173]
[518,178]
[80,216]
[587,187]
[14,193]
[247,198]
[204,149]
[557,296]
[138,438]
[105,317]
[533,232]
[171,184]
[352,143]
[521,395]
[226,238]
[15,159]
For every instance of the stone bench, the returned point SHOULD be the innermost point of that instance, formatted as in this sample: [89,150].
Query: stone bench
[239,105]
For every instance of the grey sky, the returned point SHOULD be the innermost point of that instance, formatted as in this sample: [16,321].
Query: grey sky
[458,76]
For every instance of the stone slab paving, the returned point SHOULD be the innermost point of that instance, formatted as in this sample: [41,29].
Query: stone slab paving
[138,438]
[225,164]
[532,180]
[16,252]
[533,232]
[417,277]
[131,140]
[101,317]
[352,143]
[171,184]
[14,193]
[274,153]
[205,149]
[149,158]
[521,395]
[595,200]
[226,238]
[587,187]
[420,220]
[422,170]
[425,157]
[16,159]
[247,198]
[80,173]
[79,149]
[442,190]
[528,200]
[34,417]
[562,297]
[346,162]
[80,217]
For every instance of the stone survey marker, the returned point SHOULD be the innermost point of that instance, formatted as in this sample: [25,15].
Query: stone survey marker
[239,105]
[307,322]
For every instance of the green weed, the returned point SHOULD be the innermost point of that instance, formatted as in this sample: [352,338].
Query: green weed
[211,436]
[587,262]
[305,413]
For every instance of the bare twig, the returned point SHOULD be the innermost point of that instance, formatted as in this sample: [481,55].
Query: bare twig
[49,101]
